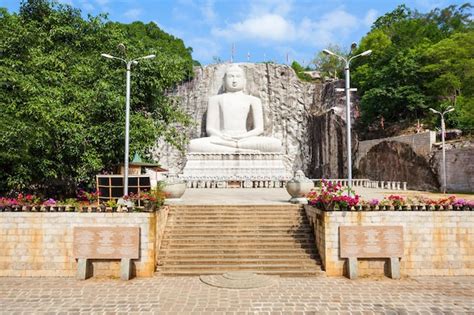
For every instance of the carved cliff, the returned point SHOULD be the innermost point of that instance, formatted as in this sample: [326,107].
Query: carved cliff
[290,107]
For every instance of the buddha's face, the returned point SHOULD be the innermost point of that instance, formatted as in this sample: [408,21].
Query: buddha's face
[234,79]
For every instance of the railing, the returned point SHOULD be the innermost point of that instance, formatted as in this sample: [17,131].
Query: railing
[279,183]
[239,183]
[366,183]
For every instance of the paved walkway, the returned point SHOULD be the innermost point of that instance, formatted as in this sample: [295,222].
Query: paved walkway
[280,195]
[187,295]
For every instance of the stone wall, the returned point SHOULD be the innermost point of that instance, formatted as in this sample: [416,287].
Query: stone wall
[459,167]
[436,243]
[36,244]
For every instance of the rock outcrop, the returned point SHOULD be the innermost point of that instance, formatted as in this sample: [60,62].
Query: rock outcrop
[397,161]
[289,107]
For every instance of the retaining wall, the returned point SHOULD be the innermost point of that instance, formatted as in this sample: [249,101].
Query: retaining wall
[39,244]
[459,168]
[436,243]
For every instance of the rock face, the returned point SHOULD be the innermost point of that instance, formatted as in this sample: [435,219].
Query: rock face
[396,161]
[288,105]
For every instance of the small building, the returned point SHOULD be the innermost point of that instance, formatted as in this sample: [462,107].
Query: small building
[137,167]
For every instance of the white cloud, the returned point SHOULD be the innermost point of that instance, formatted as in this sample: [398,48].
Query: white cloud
[332,27]
[268,27]
[132,14]
[370,17]
[276,28]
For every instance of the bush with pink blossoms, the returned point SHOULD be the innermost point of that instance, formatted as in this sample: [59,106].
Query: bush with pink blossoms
[332,196]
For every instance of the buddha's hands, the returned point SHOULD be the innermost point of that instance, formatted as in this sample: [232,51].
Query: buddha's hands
[227,137]
[235,138]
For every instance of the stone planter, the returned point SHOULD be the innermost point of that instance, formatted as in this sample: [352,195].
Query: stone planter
[299,187]
[174,188]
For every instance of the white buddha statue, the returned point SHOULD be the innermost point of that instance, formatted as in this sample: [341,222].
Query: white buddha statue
[226,123]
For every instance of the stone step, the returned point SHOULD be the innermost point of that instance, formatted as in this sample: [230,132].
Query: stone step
[244,259]
[236,240]
[238,244]
[280,273]
[285,218]
[259,257]
[237,212]
[297,262]
[205,252]
[211,225]
[254,221]
[229,267]
[216,239]
[284,206]
[232,235]
[235,228]
[230,231]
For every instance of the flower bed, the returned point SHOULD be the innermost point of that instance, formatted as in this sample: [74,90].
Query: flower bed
[85,202]
[332,197]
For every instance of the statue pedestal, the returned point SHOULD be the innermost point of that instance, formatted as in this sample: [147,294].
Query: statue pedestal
[226,170]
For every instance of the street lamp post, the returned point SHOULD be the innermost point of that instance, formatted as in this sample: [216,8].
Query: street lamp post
[348,110]
[443,129]
[129,64]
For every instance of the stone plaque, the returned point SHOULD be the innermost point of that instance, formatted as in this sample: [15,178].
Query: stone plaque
[371,241]
[106,242]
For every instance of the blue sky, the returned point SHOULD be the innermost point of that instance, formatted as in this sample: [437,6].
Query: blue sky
[261,30]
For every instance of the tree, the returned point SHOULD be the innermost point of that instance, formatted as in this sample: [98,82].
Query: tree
[328,65]
[299,70]
[449,72]
[418,61]
[62,106]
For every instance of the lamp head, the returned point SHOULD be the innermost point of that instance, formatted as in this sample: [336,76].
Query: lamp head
[433,110]
[328,52]
[449,109]
[107,56]
[149,57]
[366,53]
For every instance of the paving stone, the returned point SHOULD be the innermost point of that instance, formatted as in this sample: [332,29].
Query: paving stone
[188,295]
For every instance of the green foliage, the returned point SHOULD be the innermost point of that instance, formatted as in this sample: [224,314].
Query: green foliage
[329,65]
[299,70]
[418,61]
[62,107]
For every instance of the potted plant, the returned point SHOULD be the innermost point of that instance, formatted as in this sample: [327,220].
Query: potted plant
[111,204]
[397,201]
[373,204]
[332,197]
[384,204]
[48,204]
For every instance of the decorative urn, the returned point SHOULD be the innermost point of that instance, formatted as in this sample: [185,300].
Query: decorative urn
[174,188]
[299,187]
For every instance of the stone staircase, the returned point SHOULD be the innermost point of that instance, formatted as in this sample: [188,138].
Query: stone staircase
[266,239]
